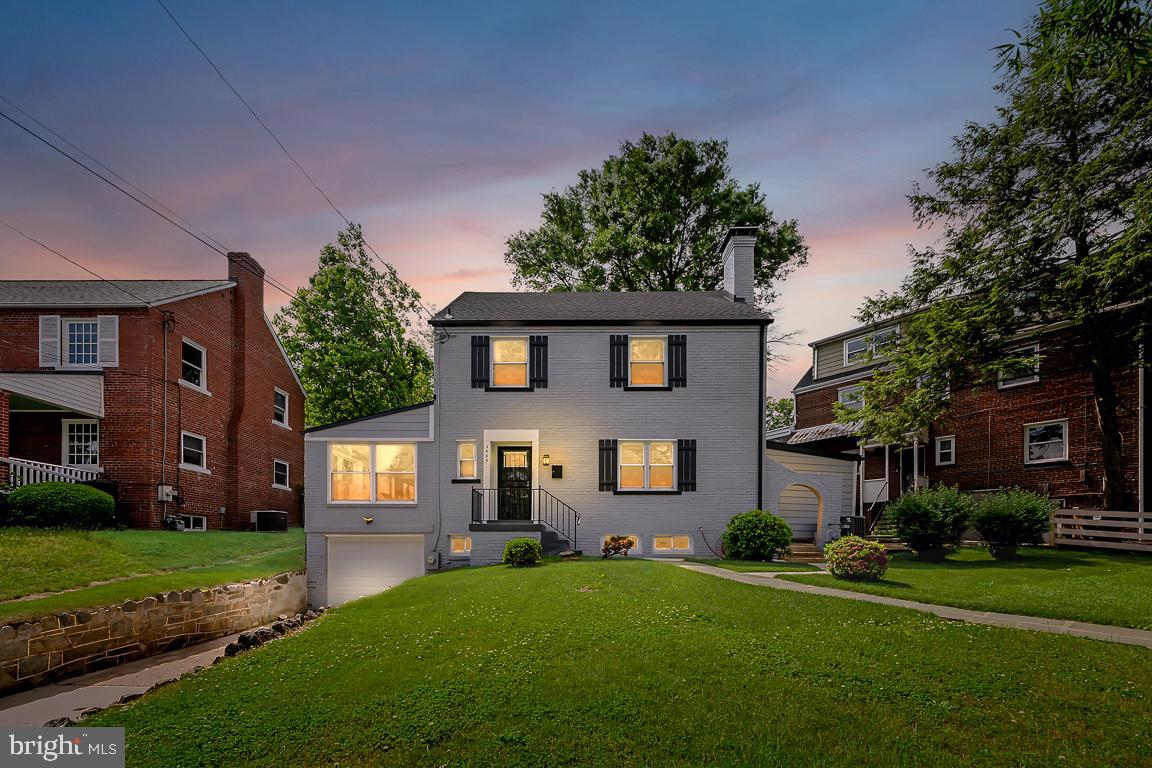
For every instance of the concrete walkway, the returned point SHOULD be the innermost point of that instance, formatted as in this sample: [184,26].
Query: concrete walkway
[1054,626]
[71,697]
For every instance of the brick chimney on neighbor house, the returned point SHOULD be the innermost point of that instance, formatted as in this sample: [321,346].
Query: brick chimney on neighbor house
[738,253]
[247,316]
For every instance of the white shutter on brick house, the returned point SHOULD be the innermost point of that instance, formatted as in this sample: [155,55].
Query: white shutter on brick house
[49,341]
[108,349]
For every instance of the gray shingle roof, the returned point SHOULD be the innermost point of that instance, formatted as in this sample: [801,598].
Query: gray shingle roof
[598,308]
[101,293]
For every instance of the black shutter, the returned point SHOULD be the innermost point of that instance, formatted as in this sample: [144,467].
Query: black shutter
[618,360]
[538,362]
[687,464]
[678,360]
[479,362]
[607,465]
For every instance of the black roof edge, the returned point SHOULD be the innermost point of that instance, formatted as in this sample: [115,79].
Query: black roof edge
[738,229]
[370,416]
[788,448]
[753,321]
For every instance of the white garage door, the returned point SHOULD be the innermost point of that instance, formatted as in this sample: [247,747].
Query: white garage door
[364,565]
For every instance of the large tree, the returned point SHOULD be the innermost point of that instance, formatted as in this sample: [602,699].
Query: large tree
[1046,218]
[351,333]
[779,412]
[652,218]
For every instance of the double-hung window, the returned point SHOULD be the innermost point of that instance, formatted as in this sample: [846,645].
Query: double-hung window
[193,363]
[280,407]
[509,361]
[1045,442]
[82,342]
[81,440]
[193,450]
[1025,376]
[647,465]
[945,450]
[647,359]
[280,475]
[851,398]
[383,473]
[466,459]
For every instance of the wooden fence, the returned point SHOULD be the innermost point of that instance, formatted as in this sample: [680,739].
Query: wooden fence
[1099,528]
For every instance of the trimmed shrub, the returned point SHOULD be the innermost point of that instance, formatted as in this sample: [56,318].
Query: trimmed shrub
[931,520]
[756,535]
[522,552]
[61,505]
[856,558]
[1010,518]
[616,545]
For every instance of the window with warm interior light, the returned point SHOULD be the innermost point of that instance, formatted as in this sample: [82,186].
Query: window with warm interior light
[466,459]
[646,361]
[373,472]
[509,361]
[647,465]
[676,543]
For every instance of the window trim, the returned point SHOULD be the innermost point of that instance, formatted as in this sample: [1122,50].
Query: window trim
[287,401]
[475,461]
[851,388]
[466,553]
[951,450]
[64,444]
[201,468]
[869,346]
[636,541]
[1028,444]
[526,386]
[673,549]
[647,487]
[203,386]
[1020,381]
[373,502]
[629,384]
[65,347]
[287,486]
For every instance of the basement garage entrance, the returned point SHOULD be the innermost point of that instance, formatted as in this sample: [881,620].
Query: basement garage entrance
[361,565]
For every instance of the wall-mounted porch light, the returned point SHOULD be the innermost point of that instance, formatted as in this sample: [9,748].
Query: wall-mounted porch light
[547,460]
[369,520]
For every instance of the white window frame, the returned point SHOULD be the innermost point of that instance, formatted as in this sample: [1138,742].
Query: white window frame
[475,461]
[951,450]
[372,502]
[869,347]
[287,485]
[663,362]
[453,537]
[673,549]
[203,386]
[287,400]
[201,468]
[64,443]
[66,347]
[648,465]
[492,364]
[189,528]
[1020,381]
[1027,443]
[848,403]
[636,548]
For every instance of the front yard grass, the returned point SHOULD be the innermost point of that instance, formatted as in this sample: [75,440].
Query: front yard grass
[136,563]
[1097,587]
[641,663]
[752,566]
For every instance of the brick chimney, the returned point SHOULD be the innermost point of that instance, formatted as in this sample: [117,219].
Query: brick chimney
[738,254]
[247,315]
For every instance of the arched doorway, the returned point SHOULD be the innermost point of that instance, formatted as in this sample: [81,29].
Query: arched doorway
[803,507]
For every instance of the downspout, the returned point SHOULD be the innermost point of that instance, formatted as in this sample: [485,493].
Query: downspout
[760,442]
[860,478]
[1142,432]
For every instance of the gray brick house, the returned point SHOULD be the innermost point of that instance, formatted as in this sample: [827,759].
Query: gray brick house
[567,417]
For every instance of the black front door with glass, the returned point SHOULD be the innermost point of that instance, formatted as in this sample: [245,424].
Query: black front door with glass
[513,483]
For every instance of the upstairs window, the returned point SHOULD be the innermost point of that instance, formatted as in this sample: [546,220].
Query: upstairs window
[1046,442]
[280,407]
[79,342]
[647,465]
[82,342]
[861,349]
[192,450]
[81,442]
[373,473]
[851,398]
[509,362]
[192,363]
[1022,377]
[646,361]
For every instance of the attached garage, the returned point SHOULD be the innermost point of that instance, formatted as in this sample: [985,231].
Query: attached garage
[363,564]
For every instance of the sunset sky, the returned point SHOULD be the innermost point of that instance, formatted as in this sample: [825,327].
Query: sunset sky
[438,126]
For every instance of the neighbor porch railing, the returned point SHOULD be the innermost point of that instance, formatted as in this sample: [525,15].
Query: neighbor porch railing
[25,472]
[529,505]
[1103,528]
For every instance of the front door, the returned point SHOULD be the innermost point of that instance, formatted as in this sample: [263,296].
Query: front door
[513,483]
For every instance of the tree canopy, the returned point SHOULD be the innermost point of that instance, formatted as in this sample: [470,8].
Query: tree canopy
[652,218]
[351,334]
[1045,216]
[778,412]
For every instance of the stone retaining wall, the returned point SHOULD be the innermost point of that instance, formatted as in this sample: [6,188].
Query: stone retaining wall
[32,653]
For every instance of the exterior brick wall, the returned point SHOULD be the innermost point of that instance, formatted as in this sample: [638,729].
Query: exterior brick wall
[143,393]
[4,428]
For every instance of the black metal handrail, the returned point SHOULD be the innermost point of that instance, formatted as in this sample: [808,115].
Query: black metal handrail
[534,505]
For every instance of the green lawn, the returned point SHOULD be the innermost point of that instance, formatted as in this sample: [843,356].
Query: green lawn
[136,563]
[752,566]
[1099,587]
[639,663]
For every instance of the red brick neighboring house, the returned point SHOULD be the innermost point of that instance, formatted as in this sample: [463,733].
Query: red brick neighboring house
[1036,431]
[176,392]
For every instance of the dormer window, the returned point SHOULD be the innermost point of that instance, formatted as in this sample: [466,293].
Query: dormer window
[510,361]
[646,361]
[861,349]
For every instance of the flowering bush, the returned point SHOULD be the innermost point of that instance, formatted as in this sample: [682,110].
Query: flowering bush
[522,552]
[756,535]
[616,545]
[855,558]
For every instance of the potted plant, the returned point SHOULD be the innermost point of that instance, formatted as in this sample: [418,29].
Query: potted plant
[1008,519]
[931,521]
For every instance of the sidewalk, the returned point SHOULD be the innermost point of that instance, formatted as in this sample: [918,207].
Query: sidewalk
[70,697]
[1053,626]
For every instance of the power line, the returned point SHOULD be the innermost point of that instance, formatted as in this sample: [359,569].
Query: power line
[274,137]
